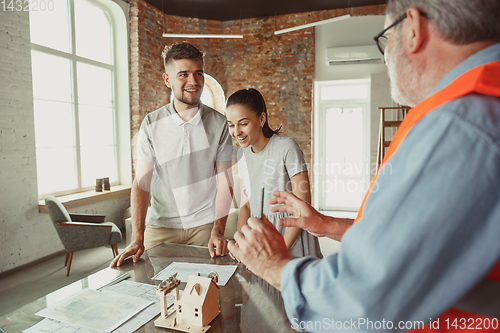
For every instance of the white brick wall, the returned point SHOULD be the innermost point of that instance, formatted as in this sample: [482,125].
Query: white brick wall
[25,234]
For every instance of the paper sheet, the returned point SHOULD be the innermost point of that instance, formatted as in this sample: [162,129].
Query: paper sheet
[136,289]
[95,310]
[139,290]
[50,326]
[185,269]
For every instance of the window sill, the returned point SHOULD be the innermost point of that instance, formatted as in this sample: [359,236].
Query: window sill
[87,198]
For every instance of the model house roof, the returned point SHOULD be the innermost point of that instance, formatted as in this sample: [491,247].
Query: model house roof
[196,290]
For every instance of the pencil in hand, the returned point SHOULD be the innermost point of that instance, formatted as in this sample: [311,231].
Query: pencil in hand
[262,203]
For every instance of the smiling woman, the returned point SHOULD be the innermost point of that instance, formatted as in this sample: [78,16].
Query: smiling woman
[268,162]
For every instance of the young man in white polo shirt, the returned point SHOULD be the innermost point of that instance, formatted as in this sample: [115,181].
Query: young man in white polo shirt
[184,154]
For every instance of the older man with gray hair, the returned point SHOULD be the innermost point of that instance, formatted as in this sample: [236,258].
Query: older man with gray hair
[424,249]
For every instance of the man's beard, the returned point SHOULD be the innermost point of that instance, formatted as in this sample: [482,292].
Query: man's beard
[405,85]
[180,97]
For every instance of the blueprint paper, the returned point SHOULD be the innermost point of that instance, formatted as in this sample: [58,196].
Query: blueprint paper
[185,269]
[133,324]
[140,290]
[50,326]
[95,310]
[144,291]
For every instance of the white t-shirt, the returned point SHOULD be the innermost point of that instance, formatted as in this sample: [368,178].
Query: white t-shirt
[184,154]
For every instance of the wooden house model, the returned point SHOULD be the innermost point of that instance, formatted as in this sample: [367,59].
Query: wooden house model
[199,303]
[197,307]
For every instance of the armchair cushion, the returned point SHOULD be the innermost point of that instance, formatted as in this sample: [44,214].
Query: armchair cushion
[91,218]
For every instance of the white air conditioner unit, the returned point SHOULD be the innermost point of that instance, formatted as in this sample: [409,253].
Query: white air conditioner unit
[353,55]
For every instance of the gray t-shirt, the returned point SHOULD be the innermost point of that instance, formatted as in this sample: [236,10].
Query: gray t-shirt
[274,167]
[184,154]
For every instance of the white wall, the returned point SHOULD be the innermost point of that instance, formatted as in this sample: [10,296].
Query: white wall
[25,234]
[355,31]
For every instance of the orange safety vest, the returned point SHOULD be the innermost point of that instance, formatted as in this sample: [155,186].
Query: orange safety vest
[484,79]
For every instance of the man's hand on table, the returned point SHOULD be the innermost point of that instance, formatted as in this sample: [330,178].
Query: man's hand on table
[262,249]
[304,216]
[135,248]
[217,244]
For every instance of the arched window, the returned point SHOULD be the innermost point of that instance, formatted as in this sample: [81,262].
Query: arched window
[74,71]
[213,95]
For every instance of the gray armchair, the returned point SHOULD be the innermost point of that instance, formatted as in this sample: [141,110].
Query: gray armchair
[80,231]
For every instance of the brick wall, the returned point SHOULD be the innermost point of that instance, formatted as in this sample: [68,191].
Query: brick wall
[281,67]
[147,24]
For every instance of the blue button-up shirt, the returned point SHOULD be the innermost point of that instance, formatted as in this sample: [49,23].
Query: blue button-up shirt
[427,236]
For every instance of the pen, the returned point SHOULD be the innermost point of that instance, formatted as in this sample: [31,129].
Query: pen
[262,203]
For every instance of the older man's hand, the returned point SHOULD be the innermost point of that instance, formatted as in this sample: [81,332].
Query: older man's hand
[262,249]
[304,216]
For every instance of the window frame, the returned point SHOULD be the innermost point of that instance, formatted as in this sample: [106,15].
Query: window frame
[319,138]
[119,146]
[217,93]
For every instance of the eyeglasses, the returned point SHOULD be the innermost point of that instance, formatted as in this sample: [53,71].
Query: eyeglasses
[381,38]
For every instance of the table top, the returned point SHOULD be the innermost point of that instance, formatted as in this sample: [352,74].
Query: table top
[247,303]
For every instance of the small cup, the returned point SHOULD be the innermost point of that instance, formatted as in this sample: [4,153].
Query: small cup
[107,186]
[98,185]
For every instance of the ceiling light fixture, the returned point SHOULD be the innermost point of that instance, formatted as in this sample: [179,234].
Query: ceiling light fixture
[335,19]
[202,36]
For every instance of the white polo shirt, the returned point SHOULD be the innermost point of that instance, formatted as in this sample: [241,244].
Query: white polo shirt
[184,183]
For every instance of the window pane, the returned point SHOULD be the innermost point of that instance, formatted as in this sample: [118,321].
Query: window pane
[50,27]
[96,126]
[54,80]
[343,195]
[344,167]
[94,85]
[344,92]
[56,169]
[51,77]
[54,125]
[93,32]
[344,137]
[98,162]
